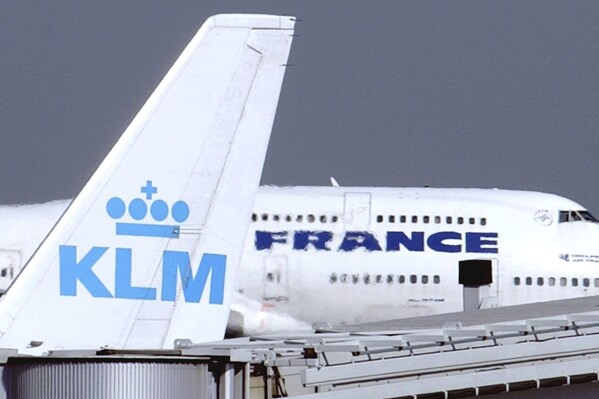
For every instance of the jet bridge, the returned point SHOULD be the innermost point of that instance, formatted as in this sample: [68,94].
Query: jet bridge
[454,361]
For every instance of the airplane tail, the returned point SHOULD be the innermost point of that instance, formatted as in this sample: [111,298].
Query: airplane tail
[148,251]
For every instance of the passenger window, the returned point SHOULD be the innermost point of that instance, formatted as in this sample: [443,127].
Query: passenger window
[574,282]
[323,219]
[402,219]
[378,278]
[448,220]
[414,219]
[516,280]
[299,218]
[355,278]
[402,279]
[551,281]
[436,279]
[425,219]
[366,278]
[288,218]
[413,279]
[460,220]
[254,217]
[563,281]
[276,218]
[265,217]
[343,278]
[334,219]
[540,281]
[597,282]
[586,282]
[391,219]
[333,278]
[528,280]
[424,280]
[379,219]
[437,219]
[390,279]
[483,222]
[311,218]
[472,221]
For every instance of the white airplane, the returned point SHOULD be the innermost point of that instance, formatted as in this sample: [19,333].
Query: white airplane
[147,253]
[358,254]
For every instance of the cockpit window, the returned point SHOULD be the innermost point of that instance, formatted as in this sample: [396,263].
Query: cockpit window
[576,216]
[586,215]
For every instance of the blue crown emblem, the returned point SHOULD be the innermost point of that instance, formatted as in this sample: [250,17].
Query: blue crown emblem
[138,210]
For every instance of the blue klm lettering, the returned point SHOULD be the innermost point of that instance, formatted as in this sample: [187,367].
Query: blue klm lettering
[174,263]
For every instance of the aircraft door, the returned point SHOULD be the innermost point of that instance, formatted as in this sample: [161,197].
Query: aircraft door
[275,278]
[10,262]
[492,299]
[357,210]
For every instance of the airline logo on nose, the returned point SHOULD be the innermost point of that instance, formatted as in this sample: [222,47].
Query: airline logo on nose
[76,265]
[161,213]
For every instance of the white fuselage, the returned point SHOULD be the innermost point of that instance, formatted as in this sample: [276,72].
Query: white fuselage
[357,254]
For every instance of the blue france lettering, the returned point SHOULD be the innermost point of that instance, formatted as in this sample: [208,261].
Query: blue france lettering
[265,239]
[319,240]
[359,239]
[436,242]
[484,243]
[174,264]
[416,241]
[397,238]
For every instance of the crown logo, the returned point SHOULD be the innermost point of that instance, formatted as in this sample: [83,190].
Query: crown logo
[138,210]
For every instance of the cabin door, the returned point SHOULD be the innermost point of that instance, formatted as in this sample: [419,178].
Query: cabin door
[276,279]
[492,298]
[357,211]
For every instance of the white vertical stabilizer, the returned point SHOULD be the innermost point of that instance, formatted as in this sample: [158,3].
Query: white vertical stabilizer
[148,251]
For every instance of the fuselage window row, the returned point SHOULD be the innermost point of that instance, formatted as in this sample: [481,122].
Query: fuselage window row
[554,282]
[367,278]
[429,220]
[310,218]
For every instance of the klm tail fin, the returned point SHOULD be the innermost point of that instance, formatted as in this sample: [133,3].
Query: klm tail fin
[148,251]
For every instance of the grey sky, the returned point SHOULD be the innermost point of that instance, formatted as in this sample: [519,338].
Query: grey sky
[446,94]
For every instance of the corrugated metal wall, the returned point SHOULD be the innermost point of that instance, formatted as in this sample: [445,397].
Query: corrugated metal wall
[77,379]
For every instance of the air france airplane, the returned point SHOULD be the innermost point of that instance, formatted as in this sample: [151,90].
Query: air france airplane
[359,254]
[147,253]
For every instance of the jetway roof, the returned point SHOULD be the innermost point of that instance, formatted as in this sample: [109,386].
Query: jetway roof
[457,355]
[463,354]
[486,316]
